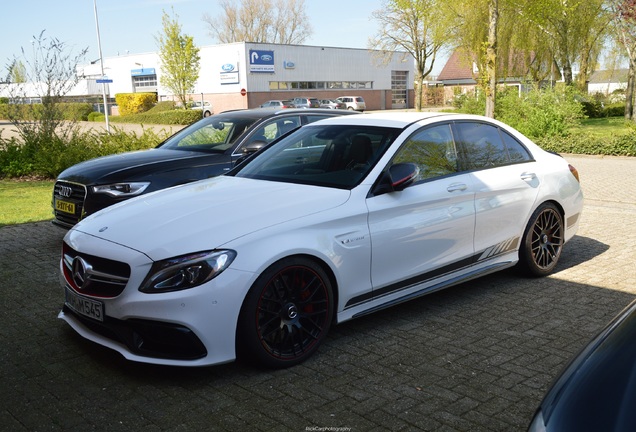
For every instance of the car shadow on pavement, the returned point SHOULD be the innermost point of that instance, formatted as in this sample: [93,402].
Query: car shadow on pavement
[580,250]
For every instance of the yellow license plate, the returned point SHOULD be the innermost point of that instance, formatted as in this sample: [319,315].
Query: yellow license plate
[64,206]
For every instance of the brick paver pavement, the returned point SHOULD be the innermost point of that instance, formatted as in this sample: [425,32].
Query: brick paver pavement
[476,357]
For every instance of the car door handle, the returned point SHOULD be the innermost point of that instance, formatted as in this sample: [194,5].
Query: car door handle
[457,187]
[528,176]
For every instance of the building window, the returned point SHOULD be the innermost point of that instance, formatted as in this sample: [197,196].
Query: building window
[145,81]
[320,85]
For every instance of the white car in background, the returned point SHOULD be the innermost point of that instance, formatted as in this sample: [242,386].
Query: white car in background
[205,107]
[338,219]
[355,103]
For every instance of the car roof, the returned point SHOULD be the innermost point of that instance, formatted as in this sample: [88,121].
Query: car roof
[388,119]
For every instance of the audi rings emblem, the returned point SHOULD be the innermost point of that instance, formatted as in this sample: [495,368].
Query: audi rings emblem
[64,191]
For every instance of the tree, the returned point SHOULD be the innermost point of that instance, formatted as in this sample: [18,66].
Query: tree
[479,37]
[17,72]
[576,30]
[263,21]
[419,27]
[49,74]
[179,59]
[624,14]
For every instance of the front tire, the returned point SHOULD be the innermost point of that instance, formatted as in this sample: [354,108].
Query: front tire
[286,314]
[542,241]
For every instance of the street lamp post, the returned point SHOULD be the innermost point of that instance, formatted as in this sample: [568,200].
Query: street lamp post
[101,62]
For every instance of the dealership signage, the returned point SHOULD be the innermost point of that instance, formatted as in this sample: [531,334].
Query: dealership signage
[261,61]
[143,72]
[229,73]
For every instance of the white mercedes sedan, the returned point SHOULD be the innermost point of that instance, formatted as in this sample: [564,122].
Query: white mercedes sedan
[338,219]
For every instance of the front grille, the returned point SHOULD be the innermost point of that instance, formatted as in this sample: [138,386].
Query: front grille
[66,194]
[94,276]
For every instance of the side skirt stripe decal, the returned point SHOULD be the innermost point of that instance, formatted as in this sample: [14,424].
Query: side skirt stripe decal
[491,252]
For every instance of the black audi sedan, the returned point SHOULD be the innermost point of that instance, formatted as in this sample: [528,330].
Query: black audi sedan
[597,390]
[207,148]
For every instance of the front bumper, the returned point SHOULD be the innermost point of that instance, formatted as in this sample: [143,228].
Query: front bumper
[192,327]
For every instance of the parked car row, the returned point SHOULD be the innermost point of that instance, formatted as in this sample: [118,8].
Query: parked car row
[353,103]
[278,104]
[334,220]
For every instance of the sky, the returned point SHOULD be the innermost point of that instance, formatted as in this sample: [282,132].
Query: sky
[130,26]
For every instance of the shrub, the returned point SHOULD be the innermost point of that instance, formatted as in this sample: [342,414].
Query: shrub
[96,116]
[69,111]
[540,112]
[49,157]
[580,143]
[536,113]
[76,111]
[470,104]
[162,106]
[134,103]
[614,110]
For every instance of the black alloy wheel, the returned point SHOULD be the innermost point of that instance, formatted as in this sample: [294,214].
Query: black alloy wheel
[286,314]
[542,241]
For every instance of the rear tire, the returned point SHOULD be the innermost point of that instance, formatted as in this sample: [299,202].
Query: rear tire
[286,314]
[542,241]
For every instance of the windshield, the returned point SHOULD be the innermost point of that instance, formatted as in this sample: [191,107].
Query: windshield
[323,155]
[215,134]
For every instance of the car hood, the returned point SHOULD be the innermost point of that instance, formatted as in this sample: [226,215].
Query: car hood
[125,165]
[206,214]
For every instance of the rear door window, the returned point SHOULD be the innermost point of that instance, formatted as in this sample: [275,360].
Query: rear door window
[480,146]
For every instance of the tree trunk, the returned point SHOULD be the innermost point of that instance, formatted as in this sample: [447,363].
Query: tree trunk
[629,91]
[584,66]
[491,58]
[419,90]
[567,72]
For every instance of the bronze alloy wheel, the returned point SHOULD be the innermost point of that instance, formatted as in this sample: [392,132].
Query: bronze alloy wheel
[542,241]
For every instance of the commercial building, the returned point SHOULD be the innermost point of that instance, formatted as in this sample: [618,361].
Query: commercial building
[245,75]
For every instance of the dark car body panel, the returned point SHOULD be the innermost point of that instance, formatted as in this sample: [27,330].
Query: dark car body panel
[597,390]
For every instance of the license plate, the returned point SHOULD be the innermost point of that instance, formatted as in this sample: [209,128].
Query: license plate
[65,206]
[84,306]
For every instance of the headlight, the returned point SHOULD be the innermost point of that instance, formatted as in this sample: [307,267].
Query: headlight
[186,271]
[122,189]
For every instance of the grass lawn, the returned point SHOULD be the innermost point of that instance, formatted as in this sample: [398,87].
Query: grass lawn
[25,201]
[604,127]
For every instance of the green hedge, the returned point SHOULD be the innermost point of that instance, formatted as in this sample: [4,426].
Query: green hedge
[174,117]
[69,111]
[580,143]
[48,158]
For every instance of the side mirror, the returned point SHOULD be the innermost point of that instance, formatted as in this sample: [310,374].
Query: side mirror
[397,178]
[253,147]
